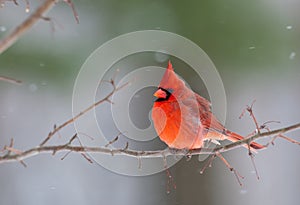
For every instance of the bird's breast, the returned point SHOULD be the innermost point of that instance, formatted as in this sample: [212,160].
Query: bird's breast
[177,124]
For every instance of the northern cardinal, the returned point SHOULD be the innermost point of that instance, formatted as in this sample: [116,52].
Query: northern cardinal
[183,119]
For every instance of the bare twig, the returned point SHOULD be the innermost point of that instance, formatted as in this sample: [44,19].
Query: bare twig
[236,173]
[38,14]
[289,139]
[56,129]
[10,80]
[208,163]
[257,136]
[87,158]
[11,38]
[67,154]
[112,141]
[10,150]
[250,110]
[10,145]
[252,160]
[70,3]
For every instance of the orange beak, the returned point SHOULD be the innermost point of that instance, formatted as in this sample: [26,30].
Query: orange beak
[160,94]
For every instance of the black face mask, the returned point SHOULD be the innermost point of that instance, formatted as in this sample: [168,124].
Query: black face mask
[168,94]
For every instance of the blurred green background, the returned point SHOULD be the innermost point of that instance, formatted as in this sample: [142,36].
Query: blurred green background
[254,45]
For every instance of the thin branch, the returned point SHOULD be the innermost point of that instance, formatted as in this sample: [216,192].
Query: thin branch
[10,80]
[38,14]
[250,110]
[56,129]
[257,136]
[11,38]
[139,154]
[71,4]
[208,163]
[236,173]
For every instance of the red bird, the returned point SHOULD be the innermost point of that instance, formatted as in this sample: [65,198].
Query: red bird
[183,119]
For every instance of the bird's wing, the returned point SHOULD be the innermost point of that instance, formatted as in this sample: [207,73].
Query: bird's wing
[208,120]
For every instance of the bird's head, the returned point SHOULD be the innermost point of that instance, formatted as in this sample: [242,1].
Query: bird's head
[170,85]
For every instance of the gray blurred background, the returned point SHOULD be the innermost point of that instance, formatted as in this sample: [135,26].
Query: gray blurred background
[255,47]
